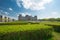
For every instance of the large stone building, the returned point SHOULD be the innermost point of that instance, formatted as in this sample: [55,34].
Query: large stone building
[5,19]
[27,18]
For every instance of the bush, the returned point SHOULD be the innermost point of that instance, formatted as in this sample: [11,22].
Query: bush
[34,22]
[13,23]
[42,34]
[25,32]
[56,28]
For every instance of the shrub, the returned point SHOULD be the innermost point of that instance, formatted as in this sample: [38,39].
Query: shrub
[25,32]
[13,23]
[56,28]
[42,34]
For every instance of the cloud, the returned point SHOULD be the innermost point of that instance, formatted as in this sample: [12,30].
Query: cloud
[18,3]
[53,15]
[10,9]
[3,12]
[6,13]
[34,4]
[24,14]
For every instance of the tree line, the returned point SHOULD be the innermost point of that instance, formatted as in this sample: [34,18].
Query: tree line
[50,19]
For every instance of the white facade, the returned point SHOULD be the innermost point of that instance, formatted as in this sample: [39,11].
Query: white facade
[5,19]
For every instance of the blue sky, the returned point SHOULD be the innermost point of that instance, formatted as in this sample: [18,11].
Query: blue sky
[41,8]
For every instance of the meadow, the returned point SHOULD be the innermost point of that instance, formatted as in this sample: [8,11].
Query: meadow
[30,31]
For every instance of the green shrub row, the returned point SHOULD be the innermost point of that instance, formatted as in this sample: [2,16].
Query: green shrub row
[55,25]
[42,34]
[56,28]
[18,23]
[34,22]
[13,23]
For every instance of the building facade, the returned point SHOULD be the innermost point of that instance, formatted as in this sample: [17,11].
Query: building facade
[1,18]
[27,18]
[5,19]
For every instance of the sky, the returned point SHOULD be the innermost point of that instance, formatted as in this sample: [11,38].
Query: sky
[40,8]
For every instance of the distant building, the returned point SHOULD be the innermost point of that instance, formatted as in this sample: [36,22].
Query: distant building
[27,18]
[20,17]
[1,18]
[13,19]
[5,19]
[8,19]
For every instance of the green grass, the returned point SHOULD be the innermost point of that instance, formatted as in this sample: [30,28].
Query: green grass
[25,32]
[56,29]
[28,31]
[10,28]
[51,23]
[55,25]
[56,36]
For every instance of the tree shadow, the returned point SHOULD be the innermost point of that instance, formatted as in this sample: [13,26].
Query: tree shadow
[56,28]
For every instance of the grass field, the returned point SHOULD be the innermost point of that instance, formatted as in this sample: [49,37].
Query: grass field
[29,31]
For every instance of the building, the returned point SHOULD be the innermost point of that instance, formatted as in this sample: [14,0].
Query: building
[27,18]
[9,19]
[5,19]
[1,18]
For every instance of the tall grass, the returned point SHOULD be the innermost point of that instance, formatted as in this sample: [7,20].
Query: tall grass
[25,32]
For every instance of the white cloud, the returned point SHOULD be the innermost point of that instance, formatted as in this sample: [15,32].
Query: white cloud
[24,14]
[18,3]
[6,13]
[3,12]
[53,15]
[34,4]
[10,9]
